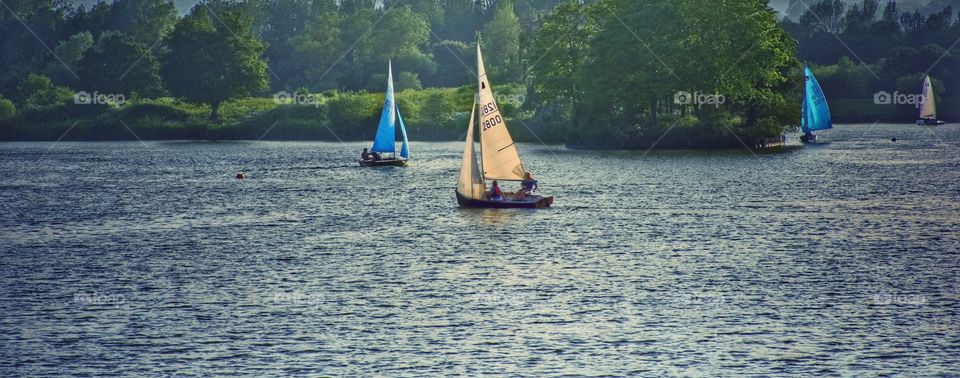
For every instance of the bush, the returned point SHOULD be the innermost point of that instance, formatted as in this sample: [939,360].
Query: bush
[429,114]
[7,109]
[408,80]
[36,92]
[354,110]
[165,112]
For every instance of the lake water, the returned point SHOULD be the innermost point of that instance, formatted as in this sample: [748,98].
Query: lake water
[151,259]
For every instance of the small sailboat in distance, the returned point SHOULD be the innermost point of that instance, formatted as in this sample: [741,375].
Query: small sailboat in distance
[386,139]
[815,112]
[928,106]
[498,155]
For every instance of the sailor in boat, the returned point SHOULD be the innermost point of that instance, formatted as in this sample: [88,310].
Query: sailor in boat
[527,186]
[367,155]
[495,193]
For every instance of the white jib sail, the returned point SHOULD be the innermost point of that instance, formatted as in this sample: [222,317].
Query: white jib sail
[471,183]
[500,158]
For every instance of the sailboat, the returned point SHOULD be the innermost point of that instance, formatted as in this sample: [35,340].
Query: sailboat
[928,106]
[499,157]
[815,113]
[385,141]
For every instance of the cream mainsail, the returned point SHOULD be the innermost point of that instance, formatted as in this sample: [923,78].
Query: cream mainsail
[928,110]
[500,158]
[471,183]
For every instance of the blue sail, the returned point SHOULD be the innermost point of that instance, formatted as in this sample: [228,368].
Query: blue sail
[386,130]
[404,149]
[816,114]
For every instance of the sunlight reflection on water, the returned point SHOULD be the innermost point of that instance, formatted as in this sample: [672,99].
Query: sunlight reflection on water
[840,258]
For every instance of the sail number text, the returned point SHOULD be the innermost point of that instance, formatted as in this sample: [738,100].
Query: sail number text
[493,121]
[488,108]
[496,120]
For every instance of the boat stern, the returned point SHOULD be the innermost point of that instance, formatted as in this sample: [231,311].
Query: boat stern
[384,163]
[534,202]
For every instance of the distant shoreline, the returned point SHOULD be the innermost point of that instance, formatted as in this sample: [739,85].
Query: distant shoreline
[261,119]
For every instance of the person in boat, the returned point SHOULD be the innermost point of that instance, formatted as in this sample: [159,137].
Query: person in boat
[495,193]
[369,155]
[527,186]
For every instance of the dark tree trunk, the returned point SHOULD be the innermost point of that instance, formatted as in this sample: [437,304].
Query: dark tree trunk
[654,122]
[214,110]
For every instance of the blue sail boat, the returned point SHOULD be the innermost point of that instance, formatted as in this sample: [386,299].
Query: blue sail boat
[816,114]
[386,140]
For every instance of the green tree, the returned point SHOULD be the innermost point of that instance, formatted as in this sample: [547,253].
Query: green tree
[453,67]
[826,16]
[212,62]
[559,49]
[645,52]
[318,49]
[7,109]
[501,37]
[70,51]
[408,80]
[147,21]
[756,81]
[37,91]
[913,84]
[847,80]
[633,64]
[400,35]
[910,60]
[432,10]
[278,23]
[21,53]
[118,64]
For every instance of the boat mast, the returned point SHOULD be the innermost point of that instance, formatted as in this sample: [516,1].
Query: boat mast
[476,99]
[393,103]
[803,109]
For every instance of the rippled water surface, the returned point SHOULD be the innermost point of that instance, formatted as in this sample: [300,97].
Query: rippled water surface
[151,259]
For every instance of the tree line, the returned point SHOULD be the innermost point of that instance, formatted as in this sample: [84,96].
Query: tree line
[873,46]
[617,73]
[141,48]
[684,73]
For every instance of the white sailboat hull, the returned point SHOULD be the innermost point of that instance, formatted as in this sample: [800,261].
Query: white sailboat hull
[930,122]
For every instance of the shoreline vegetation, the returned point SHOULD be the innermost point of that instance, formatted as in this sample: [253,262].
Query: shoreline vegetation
[434,114]
[704,75]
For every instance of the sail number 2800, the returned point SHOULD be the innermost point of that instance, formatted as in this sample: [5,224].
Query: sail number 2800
[496,120]
[493,121]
